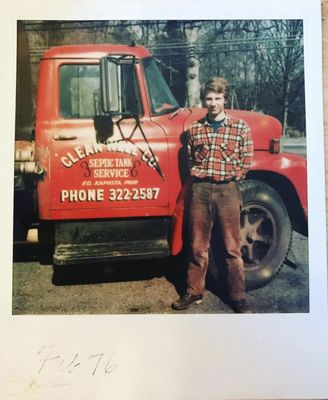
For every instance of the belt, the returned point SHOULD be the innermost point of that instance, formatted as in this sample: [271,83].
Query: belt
[209,180]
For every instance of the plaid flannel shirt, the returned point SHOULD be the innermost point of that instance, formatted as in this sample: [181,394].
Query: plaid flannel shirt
[223,155]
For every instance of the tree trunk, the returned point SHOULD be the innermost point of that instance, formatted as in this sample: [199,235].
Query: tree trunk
[286,108]
[193,65]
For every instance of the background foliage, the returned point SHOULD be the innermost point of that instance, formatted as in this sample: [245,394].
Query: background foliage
[262,59]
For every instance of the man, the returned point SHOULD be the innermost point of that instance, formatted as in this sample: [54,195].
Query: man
[220,151]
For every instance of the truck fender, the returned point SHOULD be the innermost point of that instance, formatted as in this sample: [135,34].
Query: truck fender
[287,174]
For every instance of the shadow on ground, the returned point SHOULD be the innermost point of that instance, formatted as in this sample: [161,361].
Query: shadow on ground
[173,269]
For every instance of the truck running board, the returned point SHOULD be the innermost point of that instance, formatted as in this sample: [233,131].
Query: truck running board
[66,254]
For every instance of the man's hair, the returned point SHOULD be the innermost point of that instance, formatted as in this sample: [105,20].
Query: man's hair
[217,85]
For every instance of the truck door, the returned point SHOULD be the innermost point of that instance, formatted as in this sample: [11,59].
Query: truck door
[102,165]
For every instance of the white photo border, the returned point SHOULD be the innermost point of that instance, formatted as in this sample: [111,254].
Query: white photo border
[169,356]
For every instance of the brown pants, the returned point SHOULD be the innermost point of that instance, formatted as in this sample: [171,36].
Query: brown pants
[219,203]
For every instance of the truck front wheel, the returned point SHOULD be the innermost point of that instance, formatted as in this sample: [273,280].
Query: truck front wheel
[46,242]
[266,232]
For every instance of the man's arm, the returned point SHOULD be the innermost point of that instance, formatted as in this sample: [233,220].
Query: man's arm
[190,158]
[246,151]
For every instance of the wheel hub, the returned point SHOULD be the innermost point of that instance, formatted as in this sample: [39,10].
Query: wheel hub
[258,234]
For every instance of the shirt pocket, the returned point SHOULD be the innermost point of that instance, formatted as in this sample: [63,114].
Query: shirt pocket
[200,151]
[230,152]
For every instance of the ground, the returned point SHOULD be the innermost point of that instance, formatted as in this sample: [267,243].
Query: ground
[143,287]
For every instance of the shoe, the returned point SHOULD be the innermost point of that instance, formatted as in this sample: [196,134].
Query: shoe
[186,301]
[240,306]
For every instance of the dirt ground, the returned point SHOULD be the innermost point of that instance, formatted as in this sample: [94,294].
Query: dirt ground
[143,287]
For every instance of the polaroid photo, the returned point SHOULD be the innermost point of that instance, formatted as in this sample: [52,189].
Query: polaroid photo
[163,174]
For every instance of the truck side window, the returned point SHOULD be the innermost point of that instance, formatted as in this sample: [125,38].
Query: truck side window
[80,90]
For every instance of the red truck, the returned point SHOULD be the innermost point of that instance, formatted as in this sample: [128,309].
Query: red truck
[107,166]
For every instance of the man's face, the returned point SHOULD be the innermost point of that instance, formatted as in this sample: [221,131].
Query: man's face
[214,102]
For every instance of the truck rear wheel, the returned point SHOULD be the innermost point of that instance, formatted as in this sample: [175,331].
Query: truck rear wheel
[266,232]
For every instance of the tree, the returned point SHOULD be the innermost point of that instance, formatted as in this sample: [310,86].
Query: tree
[191,32]
[284,65]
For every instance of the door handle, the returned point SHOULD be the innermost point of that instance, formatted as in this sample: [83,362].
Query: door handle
[64,137]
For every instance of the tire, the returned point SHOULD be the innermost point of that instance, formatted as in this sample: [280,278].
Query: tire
[266,233]
[46,242]
[23,207]
[20,231]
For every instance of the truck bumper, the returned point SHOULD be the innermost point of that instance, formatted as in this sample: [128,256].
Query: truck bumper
[100,241]
[66,254]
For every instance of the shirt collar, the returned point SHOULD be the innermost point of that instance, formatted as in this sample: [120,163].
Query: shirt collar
[227,120]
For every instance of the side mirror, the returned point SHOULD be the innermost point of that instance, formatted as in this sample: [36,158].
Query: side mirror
[109,86]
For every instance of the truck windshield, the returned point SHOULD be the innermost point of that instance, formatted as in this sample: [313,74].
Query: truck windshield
[161,98]
[80,91]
